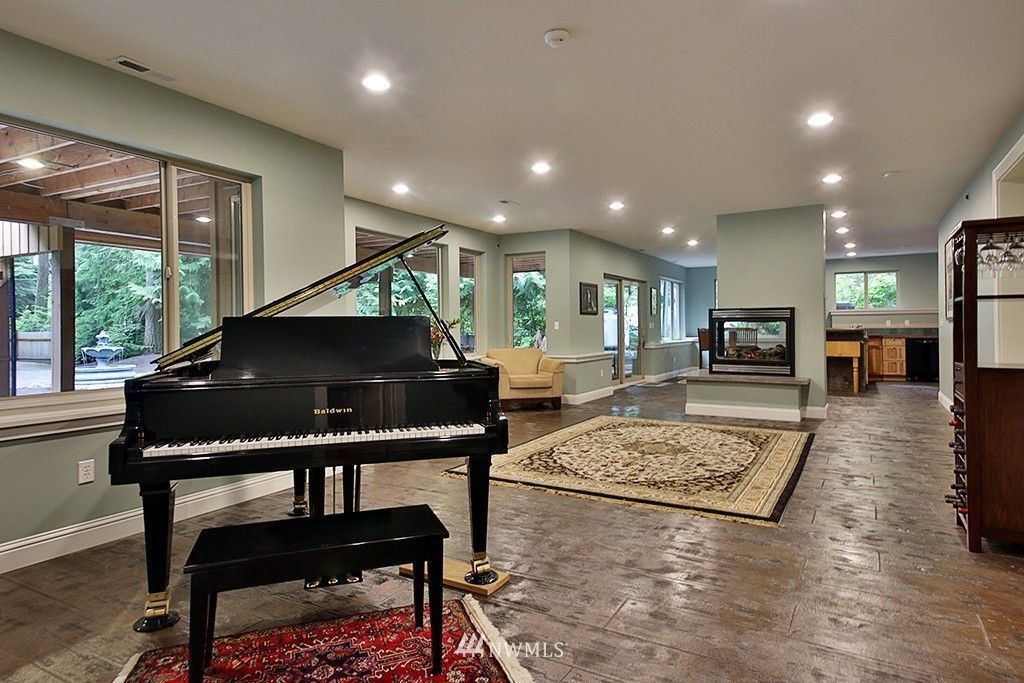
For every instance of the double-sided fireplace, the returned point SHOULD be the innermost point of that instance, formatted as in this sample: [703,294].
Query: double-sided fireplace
[754,341]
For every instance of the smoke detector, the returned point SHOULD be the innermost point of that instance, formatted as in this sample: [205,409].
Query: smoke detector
[557,37]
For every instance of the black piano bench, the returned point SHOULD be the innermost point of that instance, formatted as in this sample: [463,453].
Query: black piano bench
[231,557]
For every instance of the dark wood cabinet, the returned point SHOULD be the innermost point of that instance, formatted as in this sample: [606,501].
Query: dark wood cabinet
[988,383]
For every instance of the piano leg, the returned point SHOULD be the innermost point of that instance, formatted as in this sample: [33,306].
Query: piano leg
[299,507]
[316,509]
[316,491]
[478,471]
[158,518]
[348,488]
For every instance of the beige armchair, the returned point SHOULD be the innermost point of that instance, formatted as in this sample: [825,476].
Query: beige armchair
[526,376]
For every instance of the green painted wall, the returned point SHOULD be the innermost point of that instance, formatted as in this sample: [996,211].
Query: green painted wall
[700,296]
[980,204]
[300,227]
[554,244]
[777,258]
[917,285]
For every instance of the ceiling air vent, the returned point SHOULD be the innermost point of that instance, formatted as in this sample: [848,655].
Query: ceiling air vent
[129,63]
[138,67]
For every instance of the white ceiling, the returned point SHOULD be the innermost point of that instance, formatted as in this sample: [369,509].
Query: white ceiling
[682,109]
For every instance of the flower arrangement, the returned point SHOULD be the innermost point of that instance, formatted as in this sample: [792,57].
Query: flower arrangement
[437,335]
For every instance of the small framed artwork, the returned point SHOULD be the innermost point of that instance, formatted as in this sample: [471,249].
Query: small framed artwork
[588,298]
[948,252]
[654,302]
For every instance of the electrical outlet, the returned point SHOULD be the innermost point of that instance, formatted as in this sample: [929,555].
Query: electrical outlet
[86,471]
[556,324]
[906,323]
[602,372]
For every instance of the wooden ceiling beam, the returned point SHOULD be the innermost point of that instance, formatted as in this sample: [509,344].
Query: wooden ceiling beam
[99,179]
[62,162]
[127,184]
[153,185]
[186,193]
[18,143]
[194,206]
[18,206]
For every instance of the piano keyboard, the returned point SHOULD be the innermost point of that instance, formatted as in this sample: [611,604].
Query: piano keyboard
[179,448]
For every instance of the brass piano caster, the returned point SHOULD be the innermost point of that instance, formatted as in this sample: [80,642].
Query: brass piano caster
[299,511]
[480,573]
[158,615]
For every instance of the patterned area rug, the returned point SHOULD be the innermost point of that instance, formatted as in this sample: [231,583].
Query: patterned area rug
[378,646]
[741,473]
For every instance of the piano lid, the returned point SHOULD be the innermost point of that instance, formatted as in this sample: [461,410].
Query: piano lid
[342,282]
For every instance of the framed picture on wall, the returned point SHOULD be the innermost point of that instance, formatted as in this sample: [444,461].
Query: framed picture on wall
[948,255]
[588,298]
[654,303]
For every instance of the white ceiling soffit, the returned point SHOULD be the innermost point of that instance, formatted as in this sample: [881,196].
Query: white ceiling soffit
[681,109]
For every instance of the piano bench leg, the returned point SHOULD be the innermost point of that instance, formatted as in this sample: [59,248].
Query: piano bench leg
[480,572]
[158,614]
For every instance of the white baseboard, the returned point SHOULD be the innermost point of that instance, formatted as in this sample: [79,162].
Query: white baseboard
[815,412]
[743,412]
[23,552]
[945,401]
[671,374]
[585,397]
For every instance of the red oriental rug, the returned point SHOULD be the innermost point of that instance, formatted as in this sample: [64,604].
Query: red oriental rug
[377,646]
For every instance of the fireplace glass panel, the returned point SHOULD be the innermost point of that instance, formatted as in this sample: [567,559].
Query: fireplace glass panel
[752,341]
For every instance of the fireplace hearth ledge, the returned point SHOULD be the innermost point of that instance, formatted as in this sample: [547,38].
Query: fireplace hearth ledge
[750,396]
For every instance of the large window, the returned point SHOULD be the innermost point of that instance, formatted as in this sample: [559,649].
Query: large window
[85,232]
[672,323]
[469,293]
[866,290]
[392,291]
[529,309]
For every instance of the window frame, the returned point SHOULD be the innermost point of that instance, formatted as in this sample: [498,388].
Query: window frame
[678,302]
[477,298]
[510,295]
[867,299]
[59,412]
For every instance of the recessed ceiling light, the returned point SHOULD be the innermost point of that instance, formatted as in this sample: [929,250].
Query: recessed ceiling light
[692,242]
[399,188]
[849,245]
[842,231]
[498,218]
[831,178]
[376,82]
[838,213]
[820,119]
[890,174]
[667,230]
[851,253]
[540,167]
[30,163]
[616,206]
[204,219]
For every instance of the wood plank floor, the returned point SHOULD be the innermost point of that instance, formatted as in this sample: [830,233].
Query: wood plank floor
[866,578]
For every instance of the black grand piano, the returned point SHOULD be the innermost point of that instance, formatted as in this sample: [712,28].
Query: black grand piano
[306,394]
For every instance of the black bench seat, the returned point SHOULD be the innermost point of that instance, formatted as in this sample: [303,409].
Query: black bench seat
[247,555]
